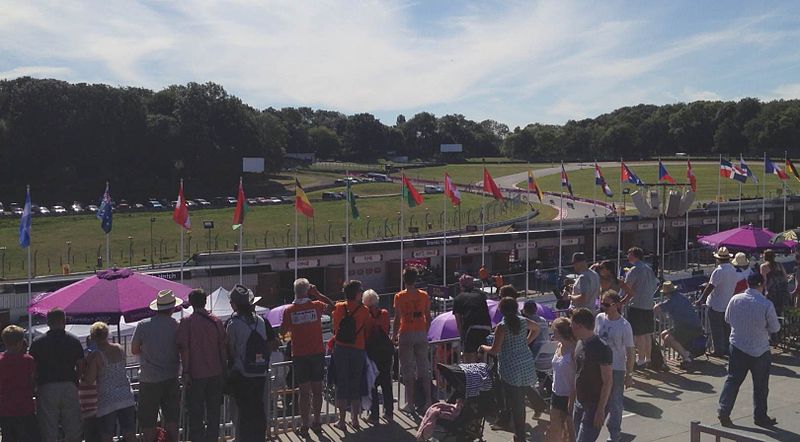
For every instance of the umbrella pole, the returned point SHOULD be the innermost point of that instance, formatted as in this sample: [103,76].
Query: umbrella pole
[119,334]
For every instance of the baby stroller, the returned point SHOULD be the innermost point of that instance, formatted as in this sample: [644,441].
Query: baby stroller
[469,424]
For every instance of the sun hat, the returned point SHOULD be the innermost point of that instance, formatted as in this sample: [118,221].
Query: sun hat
[740,260]
[243,295]
[722,253]
[668,287]
[165,300]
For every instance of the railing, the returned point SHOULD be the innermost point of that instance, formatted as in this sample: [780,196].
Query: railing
[698,429]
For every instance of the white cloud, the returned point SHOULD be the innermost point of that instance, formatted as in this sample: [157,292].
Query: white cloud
[787,91]
[35,71]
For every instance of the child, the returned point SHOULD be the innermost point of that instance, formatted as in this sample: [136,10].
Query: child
[17,417]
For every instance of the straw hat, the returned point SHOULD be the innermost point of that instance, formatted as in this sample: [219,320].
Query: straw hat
[722,253]
[740,260]
[668,287]
[165,300]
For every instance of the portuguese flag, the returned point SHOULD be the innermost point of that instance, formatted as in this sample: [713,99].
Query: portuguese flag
[410,194]
[301,202]
[241,208]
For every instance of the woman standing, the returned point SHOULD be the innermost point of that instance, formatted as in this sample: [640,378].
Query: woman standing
[608,277]
[776,284]
[381,351]
[561,427]
[115,404]
[516,365]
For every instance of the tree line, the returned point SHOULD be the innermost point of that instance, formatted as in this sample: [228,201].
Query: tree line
[67,139]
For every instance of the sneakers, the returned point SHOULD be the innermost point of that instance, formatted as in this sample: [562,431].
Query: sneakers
[725,421]
[766,421]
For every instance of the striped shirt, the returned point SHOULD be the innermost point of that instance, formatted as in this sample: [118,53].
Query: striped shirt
[752,319]
[87,397]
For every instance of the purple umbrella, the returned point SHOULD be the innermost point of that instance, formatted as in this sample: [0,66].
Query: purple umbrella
[443,327]
[275,316]
[745,239]
[107,296]
[494,311]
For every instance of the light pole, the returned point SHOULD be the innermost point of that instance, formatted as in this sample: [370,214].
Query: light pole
[152,221]
[3,249]
[130,250]
[209,226]
[69,251]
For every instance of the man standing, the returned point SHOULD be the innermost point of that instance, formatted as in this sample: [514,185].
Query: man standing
[412,317]
[716,295]
[303,319]
[59,365]
[643,285]
[593,377]
[586,290]
[752,318]
[154,342]
[686,322]
[472,318]
[202,343]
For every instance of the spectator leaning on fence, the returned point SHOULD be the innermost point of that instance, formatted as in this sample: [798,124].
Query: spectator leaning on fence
[752,318]
[716,295]
[303,321]
[202,343]
[154,342]
[642,284]
[472,318]
[381,350]
[686,326]
[412,317]
[586,290]
[59,366]
[17,414]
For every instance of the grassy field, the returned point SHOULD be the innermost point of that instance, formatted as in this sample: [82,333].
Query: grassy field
[470,173]
[583,181]
[80,237]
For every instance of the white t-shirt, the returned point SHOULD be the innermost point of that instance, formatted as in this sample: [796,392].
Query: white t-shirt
[724,279]
[618,334]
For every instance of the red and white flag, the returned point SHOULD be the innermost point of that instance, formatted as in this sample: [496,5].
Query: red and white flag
[181,213]
[451,191]
[490,187]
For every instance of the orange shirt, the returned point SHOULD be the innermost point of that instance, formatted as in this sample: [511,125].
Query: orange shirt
[413,306]
[304,321]
[380,318]
[360,314]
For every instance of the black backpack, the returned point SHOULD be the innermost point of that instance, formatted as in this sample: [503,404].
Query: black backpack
[347,332]
[379,346]
[256,352]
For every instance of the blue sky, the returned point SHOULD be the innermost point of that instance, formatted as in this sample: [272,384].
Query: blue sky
[513,61]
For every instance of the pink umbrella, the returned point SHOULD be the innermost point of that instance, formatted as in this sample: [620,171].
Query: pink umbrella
[442,327]
[275,316]
[107,296]
[745,239]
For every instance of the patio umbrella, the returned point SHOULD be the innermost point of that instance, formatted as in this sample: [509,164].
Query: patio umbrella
[747,239]
[275,316]
[443,327]
[542,310]
[108,296]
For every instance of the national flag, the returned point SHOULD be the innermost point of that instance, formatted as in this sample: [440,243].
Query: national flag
[489,186]
[770,167]
[628,176]
[565,180]
[181,213]
[351,199]
[793,170]
[532,186]
[410,194]
[601,181]
[743,166]
[451,191]
[663,175]
[25,222]
[301,202]
[104,212]
[241,208]
[728,170]
[690,176]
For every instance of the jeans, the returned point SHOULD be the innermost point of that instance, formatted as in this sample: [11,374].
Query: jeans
[614,406]
[720,332]
[205,398]
[738,366]
[583,418]
[515,400]
[249,396]
[384,381]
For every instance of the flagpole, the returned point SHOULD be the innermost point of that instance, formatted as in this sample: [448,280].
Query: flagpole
[181,229]
[400,227]
[108,253]
[594,219]
[739,217]
[295,244]
[785,160]
[619,220]
[241,236]
[561,222]
[686,245]
[528,234]
[347,208]
[483,218]
[30,293]
[444,242]
[764,192]
[719,185]
[658,219]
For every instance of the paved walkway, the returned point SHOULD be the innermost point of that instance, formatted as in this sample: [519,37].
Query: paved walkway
[659,407]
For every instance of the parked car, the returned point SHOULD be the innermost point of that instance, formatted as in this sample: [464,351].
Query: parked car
[59,210]
[352,179]
[43,210]
[2,209]
[122,205]
[231,201]
[76,207]
[262,200]
[191,203]
[286,199]
[379,177]
[252,201]
[274,200]
[155,205]
[331,196]
[202,203]
[431,188]
[138,207]
[92,208]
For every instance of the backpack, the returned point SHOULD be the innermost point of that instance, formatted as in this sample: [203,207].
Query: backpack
[256,352]
[347,332]
[379,347]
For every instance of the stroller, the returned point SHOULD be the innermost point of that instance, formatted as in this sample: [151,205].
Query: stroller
[469,424]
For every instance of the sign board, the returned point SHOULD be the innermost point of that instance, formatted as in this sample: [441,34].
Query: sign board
[679,223]
[439,242]
[451,148]
[253,165]
[570,241]
[474,250]
[303,264]
[645,226]
[172,276]
[608,229]
[709,221]
[425,253]
[365,259]
[521,245]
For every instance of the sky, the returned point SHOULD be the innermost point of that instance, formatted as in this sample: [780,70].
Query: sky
[516,62]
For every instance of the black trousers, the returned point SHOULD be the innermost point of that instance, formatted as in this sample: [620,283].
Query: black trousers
[384,381]
[249,396]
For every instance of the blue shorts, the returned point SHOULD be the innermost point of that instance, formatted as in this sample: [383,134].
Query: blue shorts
[126,417]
